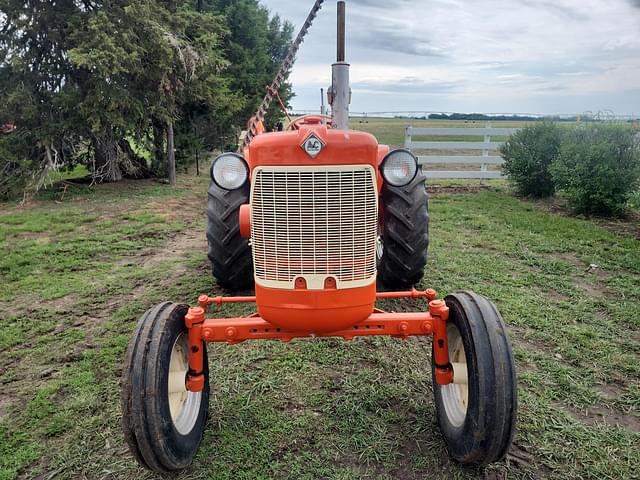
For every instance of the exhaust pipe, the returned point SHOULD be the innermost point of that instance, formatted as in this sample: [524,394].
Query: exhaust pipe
[340,92]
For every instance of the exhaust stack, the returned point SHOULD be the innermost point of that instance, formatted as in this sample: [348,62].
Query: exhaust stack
[340,92]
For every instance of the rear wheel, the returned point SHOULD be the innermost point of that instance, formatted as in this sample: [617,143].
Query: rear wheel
[229,252]
[477,412]
[162,422]
[404,237]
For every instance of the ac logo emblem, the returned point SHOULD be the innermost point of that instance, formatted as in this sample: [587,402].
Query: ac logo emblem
[312,145]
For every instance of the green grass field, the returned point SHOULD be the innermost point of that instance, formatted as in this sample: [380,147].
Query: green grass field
[77,271]
[390,131]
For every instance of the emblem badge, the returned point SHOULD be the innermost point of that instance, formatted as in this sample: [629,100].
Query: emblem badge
[312,145]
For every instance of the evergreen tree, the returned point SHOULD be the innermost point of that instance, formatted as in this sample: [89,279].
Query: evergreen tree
[92,82]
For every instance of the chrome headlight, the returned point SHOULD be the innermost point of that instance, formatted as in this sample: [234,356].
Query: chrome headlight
[399,168]
[229,171]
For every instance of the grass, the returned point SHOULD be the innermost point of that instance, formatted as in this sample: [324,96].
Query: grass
[75,276]
[390,131]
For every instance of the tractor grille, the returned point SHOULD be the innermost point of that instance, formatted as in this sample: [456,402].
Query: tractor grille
[314,222]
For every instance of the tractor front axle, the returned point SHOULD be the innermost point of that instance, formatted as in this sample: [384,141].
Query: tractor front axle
[236,330]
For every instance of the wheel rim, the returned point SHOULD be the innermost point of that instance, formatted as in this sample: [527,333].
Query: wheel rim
[455,396]
[379,248]
[183,404]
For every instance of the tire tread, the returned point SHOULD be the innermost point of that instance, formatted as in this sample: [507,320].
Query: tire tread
[228,252]
[493,430]
[405,233]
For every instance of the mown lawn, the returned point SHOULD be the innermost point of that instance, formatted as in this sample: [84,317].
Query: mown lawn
[76,275]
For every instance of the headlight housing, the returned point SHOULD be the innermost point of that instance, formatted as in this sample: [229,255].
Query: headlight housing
[229,171]
[399,167]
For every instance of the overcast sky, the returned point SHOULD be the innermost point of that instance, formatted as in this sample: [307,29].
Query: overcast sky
[522,56]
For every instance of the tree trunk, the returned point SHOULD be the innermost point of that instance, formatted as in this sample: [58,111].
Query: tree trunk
[137,166]
[106,162]
[171,155]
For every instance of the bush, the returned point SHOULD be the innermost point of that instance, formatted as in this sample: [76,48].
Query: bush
[527,156]
[598,168]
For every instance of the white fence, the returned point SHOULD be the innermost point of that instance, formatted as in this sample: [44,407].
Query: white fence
[483,160]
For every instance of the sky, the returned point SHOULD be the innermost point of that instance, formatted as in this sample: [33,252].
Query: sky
[488,56]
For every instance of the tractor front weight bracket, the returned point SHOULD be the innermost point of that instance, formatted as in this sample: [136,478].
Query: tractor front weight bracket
[236,330]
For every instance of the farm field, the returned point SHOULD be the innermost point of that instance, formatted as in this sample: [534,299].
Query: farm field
[78,269]
[390,131]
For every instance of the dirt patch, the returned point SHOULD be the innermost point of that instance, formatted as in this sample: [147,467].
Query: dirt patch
[551,294]
[559,297]
[629,225]
[7,400]
[523,337]
[590,277]
[16,389]
[520,456]
[592,289]
[570,258]
[626,225]
[611,391]
[30,303]
[598,415]
[180,245]
[408,451]
[180,207]
[455,189]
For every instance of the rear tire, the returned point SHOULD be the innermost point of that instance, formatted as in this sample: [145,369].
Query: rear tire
[229,252]
[402,253]
[162,425]
[477,419]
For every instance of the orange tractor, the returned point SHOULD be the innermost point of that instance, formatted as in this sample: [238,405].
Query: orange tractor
[314,217]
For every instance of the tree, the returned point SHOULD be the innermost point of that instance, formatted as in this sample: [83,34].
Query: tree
[255,48]
[94,81]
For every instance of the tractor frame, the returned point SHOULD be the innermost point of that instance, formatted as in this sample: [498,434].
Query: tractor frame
[431,322]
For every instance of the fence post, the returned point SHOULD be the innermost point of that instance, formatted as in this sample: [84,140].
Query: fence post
[407,136]
[485,152]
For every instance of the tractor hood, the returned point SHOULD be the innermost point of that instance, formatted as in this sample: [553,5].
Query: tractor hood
[314,145]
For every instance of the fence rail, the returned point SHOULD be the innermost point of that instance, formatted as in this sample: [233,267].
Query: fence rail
[483,160]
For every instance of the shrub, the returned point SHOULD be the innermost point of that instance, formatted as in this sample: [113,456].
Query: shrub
[598,168]
[527,156]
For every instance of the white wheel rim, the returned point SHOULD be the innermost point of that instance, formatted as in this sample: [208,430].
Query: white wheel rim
[455,396]
[183,404]
[379,247]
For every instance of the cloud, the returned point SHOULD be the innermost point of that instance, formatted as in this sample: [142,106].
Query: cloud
[507,55]
[574,12]
[407,86]
[397,41]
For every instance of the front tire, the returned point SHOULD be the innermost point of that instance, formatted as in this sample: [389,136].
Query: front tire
[477,413]
[162,422]
[404,236]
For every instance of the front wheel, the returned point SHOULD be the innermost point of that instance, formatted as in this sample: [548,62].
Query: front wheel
[477,412]
[162,421]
